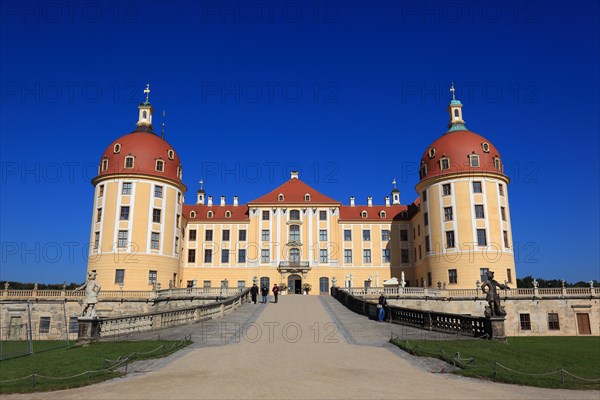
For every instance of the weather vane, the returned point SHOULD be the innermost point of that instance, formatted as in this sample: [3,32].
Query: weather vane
[452,90]
[201,183]
[147,91]
[394,183]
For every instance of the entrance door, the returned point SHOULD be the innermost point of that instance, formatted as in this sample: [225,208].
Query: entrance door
[583,324]
[295,284]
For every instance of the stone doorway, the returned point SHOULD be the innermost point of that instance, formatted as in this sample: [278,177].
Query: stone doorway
[294,284]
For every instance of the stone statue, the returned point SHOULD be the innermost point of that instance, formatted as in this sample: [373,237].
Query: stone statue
[6,285]
[334,281]
[35,286]
[494,309]
[535,283]
[92,288]
[402,280]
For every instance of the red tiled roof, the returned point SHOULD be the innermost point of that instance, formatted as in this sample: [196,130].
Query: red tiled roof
[294,191]
[238,213]
[393,212]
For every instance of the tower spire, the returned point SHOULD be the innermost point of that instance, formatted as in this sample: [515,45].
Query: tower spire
[162,134]
[455,110]
[144,123]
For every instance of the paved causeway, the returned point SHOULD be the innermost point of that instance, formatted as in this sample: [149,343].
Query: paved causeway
[304,347]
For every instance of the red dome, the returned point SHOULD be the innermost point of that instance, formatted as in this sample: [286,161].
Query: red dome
[146,149]
[457,146]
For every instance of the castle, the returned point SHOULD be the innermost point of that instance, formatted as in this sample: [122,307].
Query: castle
[144,236]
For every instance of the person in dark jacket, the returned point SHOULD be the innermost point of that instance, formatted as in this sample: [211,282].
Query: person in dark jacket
[264,291]
[254,293]
[275,291]
[381,304]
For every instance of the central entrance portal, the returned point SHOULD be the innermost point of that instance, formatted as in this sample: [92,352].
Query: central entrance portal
[295,284]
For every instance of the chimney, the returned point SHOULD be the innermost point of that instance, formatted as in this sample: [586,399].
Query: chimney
[235,201]
[370,201]
[294,175]
[351,201]
[387,201]
[222,201]
[210,201]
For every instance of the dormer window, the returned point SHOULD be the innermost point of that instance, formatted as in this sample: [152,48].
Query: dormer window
[486,147]
[431,152]
[473,160]
[404,214]
[117,148]
[209,214]
[497,164]
[160,165]
[171,154]
[179,172]
[445,163]
[363,214]
[382,214]
[104,164]
[294,215]
[228,214]
[423,171]
[280,197]
[307,197]
[129,162]
[192,214]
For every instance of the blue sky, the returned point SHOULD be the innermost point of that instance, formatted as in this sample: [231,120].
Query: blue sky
[349,93]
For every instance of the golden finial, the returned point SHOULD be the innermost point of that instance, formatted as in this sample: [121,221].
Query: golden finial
[452,90]
[394,183]
[147,91]
[201,183]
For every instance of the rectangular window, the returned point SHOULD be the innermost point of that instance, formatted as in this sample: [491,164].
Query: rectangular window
[452,276]
[385,255]
[208,255]
[505,236]
[385,235]
[265,215]
[503,213]
[206,284]
[419,230]
[424,195]
[420,255]
[481,237]
[425,219]
[122,241]
[367,256]
[127,188]
[225,256]
[323,257]
[225,235]
[176,244]
[294,233]
[99,214]
[208,235]
[323,235]
[119,276]
[265,257]
[446,190]
[100,190]
[44,324]
[404,256]
[445,163]
[158,191]
[192,235]
[474,161]
[429,280]
[155,241]
[191,255]
[241,284]
[242,235]
[241,256]
[448,214]
[322,215]
[124,213]
[347,235]
[403,235]
[482,274]
[152,277]
[347,255]
[525,320]
[501,189]
[366,235]
[156,215]
[73,324]
[449,239]
[553,324]
[427,245]
[96,240]
[479,211]
[265,235]
[477,187]
[509,275]
[178,220]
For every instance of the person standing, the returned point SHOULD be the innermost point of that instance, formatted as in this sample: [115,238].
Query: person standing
[275,291]
[264,291]
[382,302]
[254,293]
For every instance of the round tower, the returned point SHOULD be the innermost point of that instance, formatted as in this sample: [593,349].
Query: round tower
[464,209]
[136,231]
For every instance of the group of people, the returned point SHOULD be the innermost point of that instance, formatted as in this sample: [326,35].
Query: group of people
[264,291]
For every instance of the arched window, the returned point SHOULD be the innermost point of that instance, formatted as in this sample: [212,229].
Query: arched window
[228,214]
[363,214]
[294,233]
[104,164]
[129,162]
[294,215]
[209,214]
[192,214]
[160,165]
[280,197]
[307,197]
[294,255]
[382,214]
[117,148]
[456,112]
[144,115]
[324,284]
[431,152]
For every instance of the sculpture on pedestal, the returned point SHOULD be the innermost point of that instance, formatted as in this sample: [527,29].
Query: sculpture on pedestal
[490,286]
[92,288]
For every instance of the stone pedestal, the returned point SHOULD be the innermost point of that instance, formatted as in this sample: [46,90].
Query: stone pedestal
[497,328]
[89,330]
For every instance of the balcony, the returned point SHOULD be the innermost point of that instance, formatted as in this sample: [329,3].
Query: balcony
[294,266]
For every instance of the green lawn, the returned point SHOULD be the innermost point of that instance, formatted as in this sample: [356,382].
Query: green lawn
[63,362]
[579,356]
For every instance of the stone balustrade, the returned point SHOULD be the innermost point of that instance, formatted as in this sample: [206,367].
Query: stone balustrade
[577,292]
